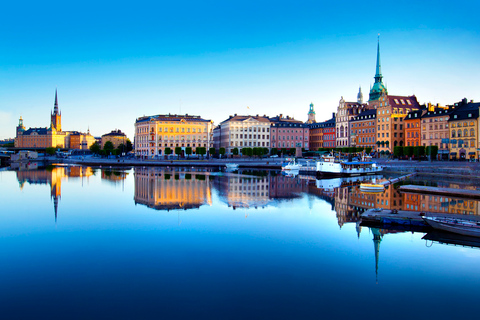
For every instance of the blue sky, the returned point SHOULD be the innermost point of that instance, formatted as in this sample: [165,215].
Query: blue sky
[113,62]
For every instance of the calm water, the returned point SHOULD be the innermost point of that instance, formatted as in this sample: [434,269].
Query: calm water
[155,243]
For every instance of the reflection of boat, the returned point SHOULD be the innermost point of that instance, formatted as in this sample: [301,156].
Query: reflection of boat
[291,173]
[231,166]
[452,239]
[292,165]
[331,166]
[372,187]
[455,225]
[330,184]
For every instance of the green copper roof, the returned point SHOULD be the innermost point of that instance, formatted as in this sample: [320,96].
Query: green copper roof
[378,87]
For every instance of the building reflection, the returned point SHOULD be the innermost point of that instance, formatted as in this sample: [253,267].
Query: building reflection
[239,191]
[165,189]
[52,176]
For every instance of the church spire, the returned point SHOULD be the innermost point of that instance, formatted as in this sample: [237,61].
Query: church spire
[378,71]
[55,107]
[360,96]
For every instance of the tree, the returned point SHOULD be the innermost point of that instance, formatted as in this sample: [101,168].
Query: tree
[178,151]
[201,151]
[168,151]
[432,151]
[284,151]
[247,152]
[129,146]
[265,151]
[222,151]
[188,151]
[235,151]
[273,151]
[95,148]
[368,149]
[293,151]
[50,151]
[212,151]
[408,151]
[108,147]
[398,151]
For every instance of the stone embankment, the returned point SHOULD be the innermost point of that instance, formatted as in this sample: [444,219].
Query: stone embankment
[439,168]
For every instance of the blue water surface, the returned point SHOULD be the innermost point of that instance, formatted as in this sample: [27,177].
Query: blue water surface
[110,254]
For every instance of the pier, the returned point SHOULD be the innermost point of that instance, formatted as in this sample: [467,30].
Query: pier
[447,192]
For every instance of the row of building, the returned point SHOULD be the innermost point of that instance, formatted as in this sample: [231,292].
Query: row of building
[54,137]
[382,123]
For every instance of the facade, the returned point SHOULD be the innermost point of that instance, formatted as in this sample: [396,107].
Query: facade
[363,129]
[346,111]
[243,131]
[153,134]
[463,131]
[116,137]
[322,134]
[289,133]
[41,138]
[413,132]
[391,111]
[434,129]
[80,141]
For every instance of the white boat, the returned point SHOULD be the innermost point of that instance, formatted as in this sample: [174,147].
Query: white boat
[231,166]
[372,187]
[292,165]
[331,166]
[460,226]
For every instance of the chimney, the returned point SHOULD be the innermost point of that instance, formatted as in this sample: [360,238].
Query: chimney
[280,116]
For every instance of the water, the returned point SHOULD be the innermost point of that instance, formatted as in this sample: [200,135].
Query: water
[157,243]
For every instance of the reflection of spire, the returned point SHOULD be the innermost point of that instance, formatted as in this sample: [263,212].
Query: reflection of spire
[377,238]
[358,227]
[55,207]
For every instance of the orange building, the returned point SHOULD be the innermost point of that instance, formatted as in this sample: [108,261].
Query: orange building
[363,129]
[413,128]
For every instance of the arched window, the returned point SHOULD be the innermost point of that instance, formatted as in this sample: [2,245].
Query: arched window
[453,134]
[459,133]
[472,133]
[465,133]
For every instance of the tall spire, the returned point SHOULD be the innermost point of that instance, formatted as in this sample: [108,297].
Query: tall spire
[378,88]
[55,108]
[378,71]
[360,96]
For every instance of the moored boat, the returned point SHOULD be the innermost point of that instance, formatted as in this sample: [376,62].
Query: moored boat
[456,225]
[231,166]
[292,165]
[332,166]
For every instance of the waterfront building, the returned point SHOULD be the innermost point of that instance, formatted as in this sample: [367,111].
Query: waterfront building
[243,131]
[363,129]
[391,111]
[116,137]
[434,129]
[171,190]
[80,141]
[53,136]
[311,114]
[286,132]
[322,134]
[463,131]
[154,134]
[346,111]
[412,128]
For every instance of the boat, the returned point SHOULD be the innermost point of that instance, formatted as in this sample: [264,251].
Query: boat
[456,225]
[335,167]
[231,166]
[372,187]
[292,165]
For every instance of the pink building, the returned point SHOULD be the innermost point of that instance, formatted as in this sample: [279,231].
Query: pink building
[288,133]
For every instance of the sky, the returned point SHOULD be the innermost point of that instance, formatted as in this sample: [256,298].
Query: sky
[113,62]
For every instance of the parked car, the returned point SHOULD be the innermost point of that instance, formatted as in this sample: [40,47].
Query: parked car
[274,156]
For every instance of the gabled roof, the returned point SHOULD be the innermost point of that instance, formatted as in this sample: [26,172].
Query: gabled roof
[466,111]
[365,115]
[414,115]
[403,102]
[246,118]
[438,112]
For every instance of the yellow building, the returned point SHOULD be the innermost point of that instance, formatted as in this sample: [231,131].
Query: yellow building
[463,131]
[116,137]
[41,138]
[154,134]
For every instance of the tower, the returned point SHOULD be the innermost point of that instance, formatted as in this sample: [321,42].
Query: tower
[360,96]
[20,127]
[378,88]
[56,116]
[311,114]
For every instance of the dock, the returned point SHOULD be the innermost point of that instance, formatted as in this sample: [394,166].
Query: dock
[413,219]
[446,192]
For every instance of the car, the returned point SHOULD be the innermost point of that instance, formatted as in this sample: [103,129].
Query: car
[274,156]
